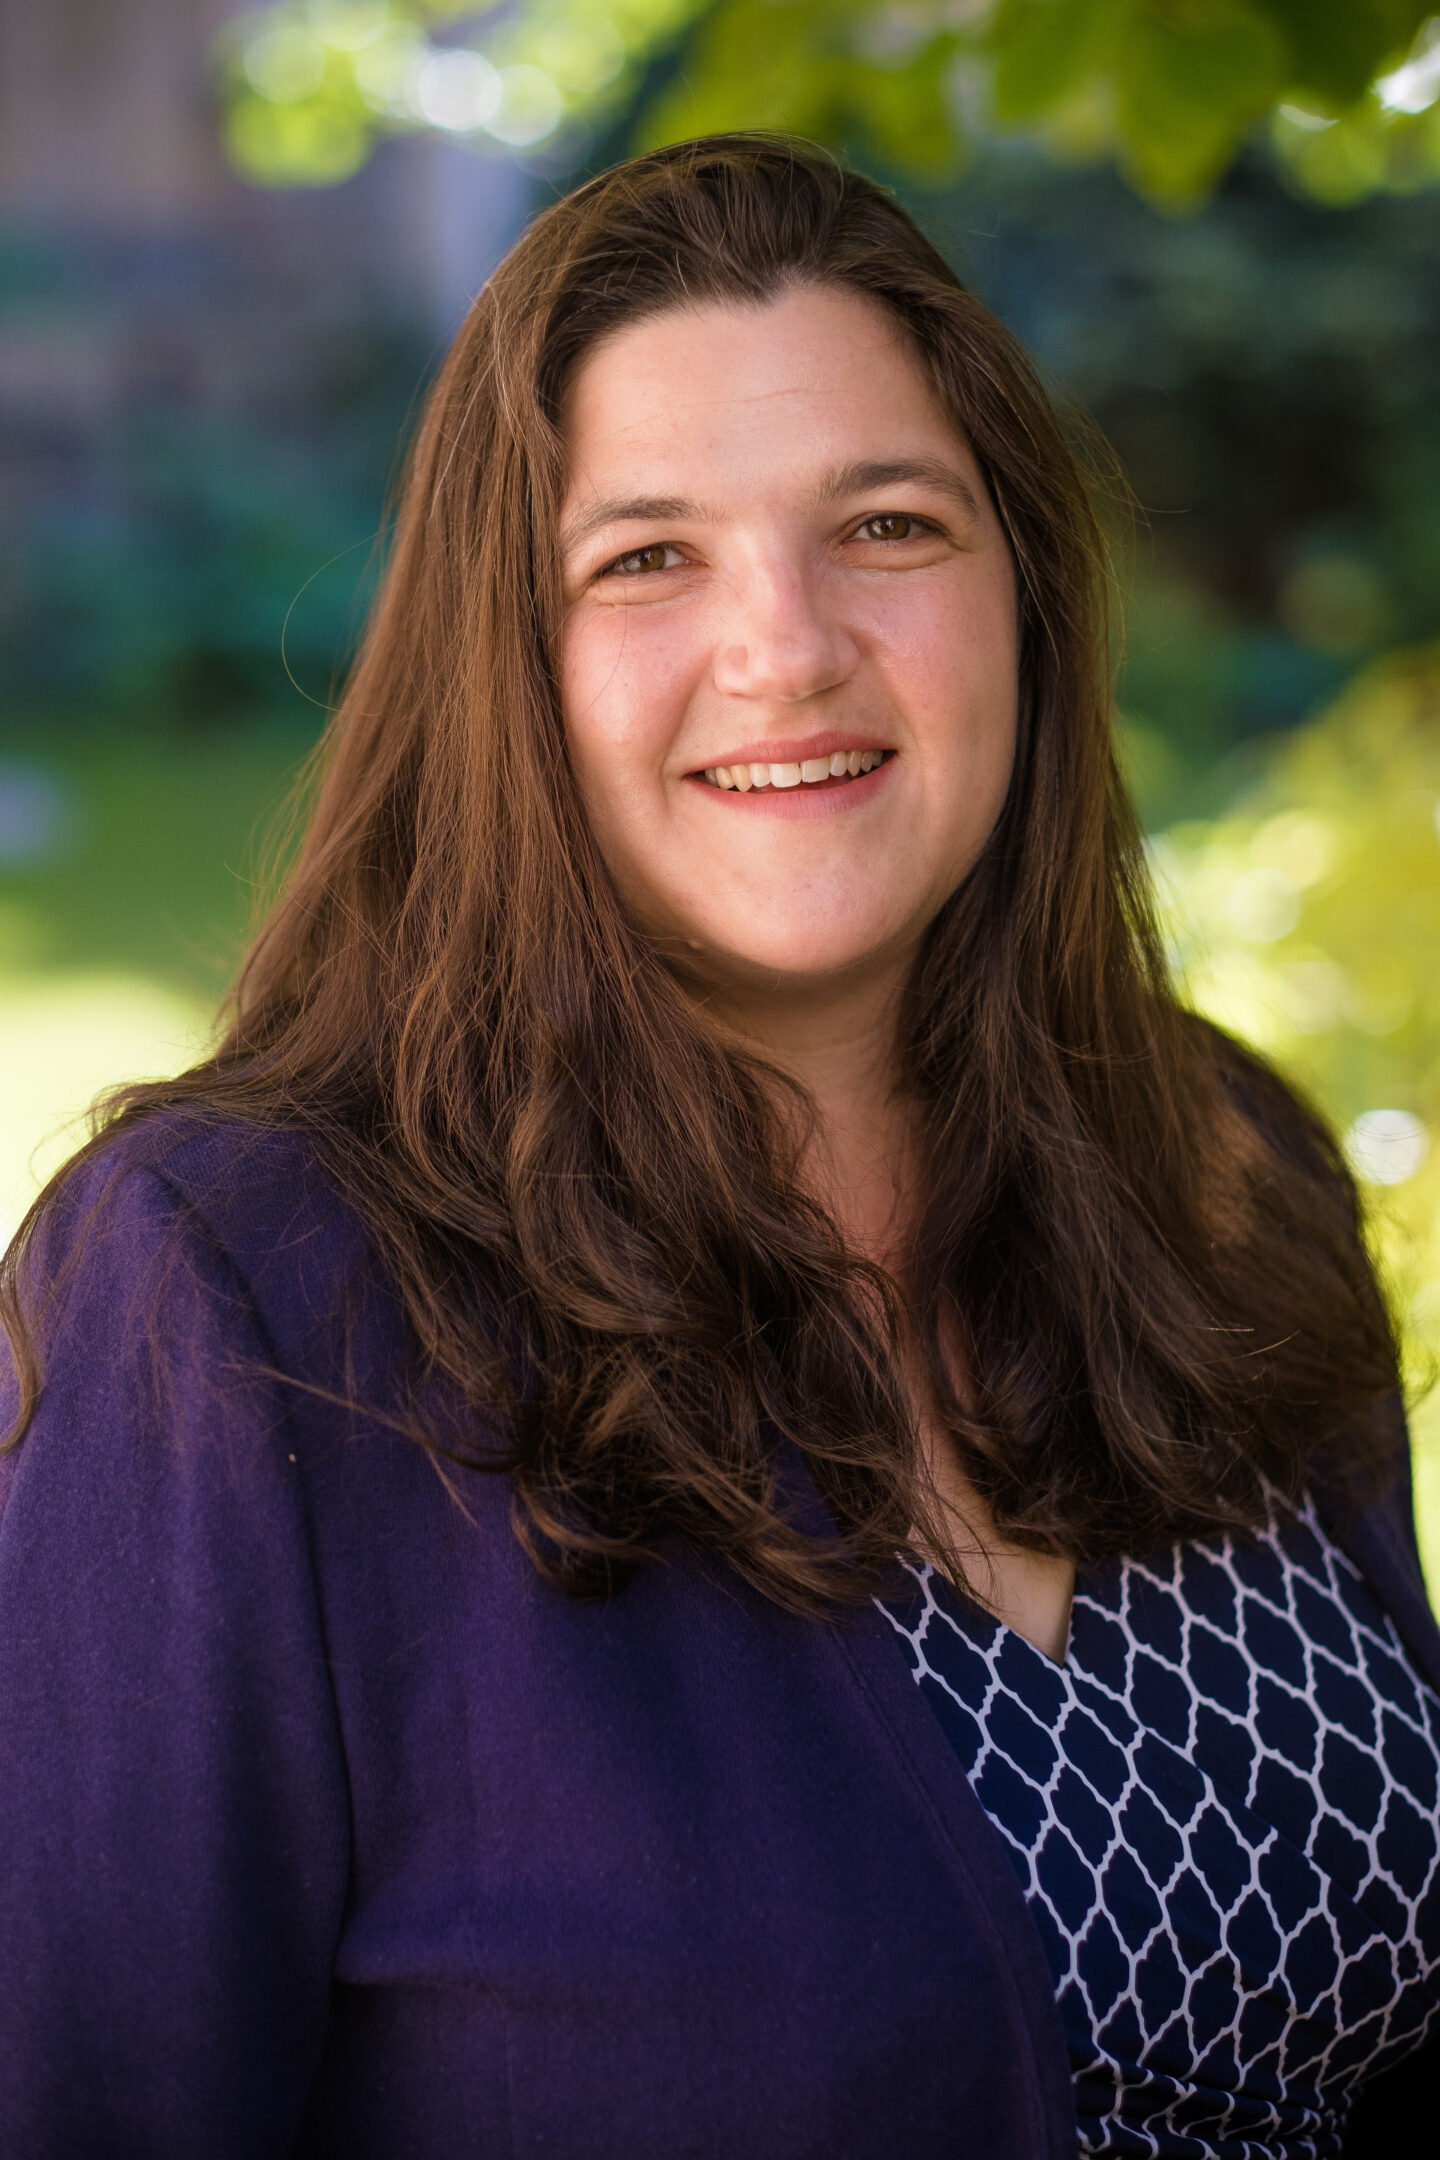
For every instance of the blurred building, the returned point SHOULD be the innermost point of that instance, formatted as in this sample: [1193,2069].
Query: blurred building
[108,135]
[144,286]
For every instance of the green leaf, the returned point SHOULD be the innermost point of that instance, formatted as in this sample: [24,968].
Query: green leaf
[1174,86]
[1363,152]
[755,64]
[1339,46]
[1189,84]
[1043,51]
[906,113]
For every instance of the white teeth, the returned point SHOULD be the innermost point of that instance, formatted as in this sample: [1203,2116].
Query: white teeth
[788,774]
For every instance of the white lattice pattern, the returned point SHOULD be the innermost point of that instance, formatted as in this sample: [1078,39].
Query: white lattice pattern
[1225,1812]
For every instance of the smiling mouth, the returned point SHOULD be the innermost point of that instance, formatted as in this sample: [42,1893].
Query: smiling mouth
[841,766]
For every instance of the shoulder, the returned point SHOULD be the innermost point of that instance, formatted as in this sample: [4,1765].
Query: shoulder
[254,1188]
[199,1332]
[235,1224]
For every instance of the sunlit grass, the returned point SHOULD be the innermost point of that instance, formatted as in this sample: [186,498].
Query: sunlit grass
[126,882]
[66,1037]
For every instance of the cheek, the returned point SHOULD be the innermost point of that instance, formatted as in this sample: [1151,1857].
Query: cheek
[953,660]
[625,685]
[624,695]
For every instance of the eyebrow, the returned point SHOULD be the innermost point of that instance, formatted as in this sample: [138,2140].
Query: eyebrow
[865,476]
[859,478]
[634,510]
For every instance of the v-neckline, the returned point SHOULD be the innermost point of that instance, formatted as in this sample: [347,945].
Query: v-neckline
[1064,1666]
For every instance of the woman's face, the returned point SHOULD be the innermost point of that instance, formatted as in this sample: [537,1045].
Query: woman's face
[781,562]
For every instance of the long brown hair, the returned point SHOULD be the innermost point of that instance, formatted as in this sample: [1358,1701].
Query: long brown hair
[589,1204]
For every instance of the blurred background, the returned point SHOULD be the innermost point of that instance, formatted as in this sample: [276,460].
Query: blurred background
[234,245]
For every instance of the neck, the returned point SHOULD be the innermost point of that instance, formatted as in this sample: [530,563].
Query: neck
[839,1041]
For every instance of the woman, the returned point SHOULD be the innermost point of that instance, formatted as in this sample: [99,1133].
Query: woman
[707,1215]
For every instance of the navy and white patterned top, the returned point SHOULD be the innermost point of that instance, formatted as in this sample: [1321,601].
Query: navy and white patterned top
[1224,1810]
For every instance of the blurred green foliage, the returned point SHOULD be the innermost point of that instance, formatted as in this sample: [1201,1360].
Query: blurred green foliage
[1307,921]
[1264,368]
[166,556]
[1170,89]
[193,582]
[1308,915]
[1265,371]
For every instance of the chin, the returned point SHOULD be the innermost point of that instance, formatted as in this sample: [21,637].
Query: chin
[797,960]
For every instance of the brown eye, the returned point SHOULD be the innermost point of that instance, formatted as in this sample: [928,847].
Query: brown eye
[640,561]
[891,525]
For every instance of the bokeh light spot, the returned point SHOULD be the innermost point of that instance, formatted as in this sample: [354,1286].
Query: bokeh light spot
[1414,87]
[386,74]
[1386,1146]
[1298,843]
[531,107]
[1263,905]
[457,90]
[1334,604]
[285,63]
[582,55]
[307,145]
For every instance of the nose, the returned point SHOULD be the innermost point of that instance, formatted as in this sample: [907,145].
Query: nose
[780,643]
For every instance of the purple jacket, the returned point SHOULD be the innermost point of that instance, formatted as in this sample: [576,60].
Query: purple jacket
[330,1829]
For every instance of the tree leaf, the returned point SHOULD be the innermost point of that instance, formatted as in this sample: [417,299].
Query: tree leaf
[1175,86]
[1189,84]
[1043,51]
[907,114]
[755,64]
[1339,46]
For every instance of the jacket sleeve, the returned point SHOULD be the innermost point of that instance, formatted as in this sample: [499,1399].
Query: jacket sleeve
[173,1807]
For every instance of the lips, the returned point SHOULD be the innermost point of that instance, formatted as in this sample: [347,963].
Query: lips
[790,795]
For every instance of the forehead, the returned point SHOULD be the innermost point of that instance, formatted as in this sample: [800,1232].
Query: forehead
[813,377]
